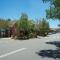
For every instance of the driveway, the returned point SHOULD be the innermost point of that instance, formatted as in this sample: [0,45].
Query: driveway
[11,49]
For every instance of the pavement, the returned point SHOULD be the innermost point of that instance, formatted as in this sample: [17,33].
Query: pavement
[11,49]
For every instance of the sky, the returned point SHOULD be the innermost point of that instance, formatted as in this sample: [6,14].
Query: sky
[35,9]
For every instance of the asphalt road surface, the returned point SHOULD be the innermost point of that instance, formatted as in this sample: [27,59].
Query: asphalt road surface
[11,49]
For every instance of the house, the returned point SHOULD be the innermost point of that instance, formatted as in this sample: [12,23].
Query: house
[13,30]
[3,32]
[10,31]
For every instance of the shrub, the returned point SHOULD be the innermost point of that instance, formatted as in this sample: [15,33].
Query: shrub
[44,27]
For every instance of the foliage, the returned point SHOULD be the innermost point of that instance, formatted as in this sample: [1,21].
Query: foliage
[58,30]
[54,11]
[4,23]
[23,22]
[25,26]
[44,27]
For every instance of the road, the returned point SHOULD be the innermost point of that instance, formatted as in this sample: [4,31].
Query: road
[11,49]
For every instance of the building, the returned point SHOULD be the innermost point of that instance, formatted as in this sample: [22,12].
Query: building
[10,31]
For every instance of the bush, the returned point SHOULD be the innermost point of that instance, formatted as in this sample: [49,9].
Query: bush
[32,35]
[26,28]
[44,27]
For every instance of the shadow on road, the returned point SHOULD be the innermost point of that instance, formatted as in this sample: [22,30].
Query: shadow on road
[56,43]
[51,53]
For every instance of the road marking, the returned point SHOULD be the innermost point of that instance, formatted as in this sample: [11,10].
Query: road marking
[13,52]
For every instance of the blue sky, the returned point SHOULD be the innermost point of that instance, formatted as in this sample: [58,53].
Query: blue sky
[34,8]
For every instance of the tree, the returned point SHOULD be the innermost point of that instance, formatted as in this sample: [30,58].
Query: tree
[44,27]
[32,29]
[26,26]
[58,25]
[4,23]
[24,22]
[54,11]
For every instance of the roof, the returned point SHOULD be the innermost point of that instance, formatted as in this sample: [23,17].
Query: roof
[12,23]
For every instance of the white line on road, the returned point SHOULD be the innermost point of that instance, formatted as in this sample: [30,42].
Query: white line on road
[13,52]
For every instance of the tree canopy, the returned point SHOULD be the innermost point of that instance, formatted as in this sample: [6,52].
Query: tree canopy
[4,23]
[54,11]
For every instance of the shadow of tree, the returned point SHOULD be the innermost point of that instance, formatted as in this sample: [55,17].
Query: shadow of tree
[51,53]
[56,43]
